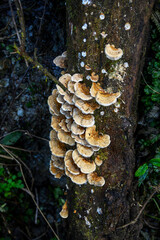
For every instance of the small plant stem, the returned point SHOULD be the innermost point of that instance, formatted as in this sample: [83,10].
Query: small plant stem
[22,23]
[14,22]
[157,189]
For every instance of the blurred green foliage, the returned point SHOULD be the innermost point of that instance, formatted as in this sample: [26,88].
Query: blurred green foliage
[152,75]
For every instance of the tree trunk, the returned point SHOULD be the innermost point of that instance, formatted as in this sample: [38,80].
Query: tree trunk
[97,212]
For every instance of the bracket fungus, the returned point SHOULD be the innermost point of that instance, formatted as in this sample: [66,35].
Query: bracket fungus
[82,91]
[84,164]
[64,211]
[69,163]
[74,141]
[58,173]
[64,79]
[61,61]
[95,180]
[65,137]
[83,120]
[94,139]
[94,77]
[113,53]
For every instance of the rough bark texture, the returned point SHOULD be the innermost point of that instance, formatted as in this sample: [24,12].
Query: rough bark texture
[98,213]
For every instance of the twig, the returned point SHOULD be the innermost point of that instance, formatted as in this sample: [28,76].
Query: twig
[22,23]
[36,214]
[14,22]
[37,65]
[4,156]
[26,132]
[32,135]
[43,234]
[6,37]
[32,196]
[149,85]
[19,230]
[156,228]
[40,26]
[6,225]
[20,149]
[142,209]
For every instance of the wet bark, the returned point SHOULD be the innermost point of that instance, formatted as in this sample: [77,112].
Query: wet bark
[97,212]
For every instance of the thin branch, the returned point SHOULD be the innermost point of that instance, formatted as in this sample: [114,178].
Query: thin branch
[149,85]
[26,132]
[37,65]
[6,157]
[142,209]
[20,149]
[14,22]
[7,37]
[22,23]
[40,26]
[36,214]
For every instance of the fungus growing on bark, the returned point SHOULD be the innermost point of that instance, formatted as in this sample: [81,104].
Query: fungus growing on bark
[64,212]
[76,129]
[79,179]
[95,88]
[52,135]
[61,61]
[64,79]
[63,126]
[65,113]
[79,140]
[84,151]
[69,123]
[53,104]
[86,107]
[82,91]
[77,77]
[65,137]
[113,53]
[85,165]
[58,173]
[94,139]
[95,180]
[66,107]
[55,120]
[87,67]
[71,86]
[69,163]
[60,99]
[84,120]
[68,98]
[58,149]
[73,123]
[94,77]
[58,162]
[107,99]
[98,161]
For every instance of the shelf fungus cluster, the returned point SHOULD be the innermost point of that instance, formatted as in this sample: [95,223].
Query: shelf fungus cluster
[73,138]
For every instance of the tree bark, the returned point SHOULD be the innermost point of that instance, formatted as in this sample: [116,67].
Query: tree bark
[97,212]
